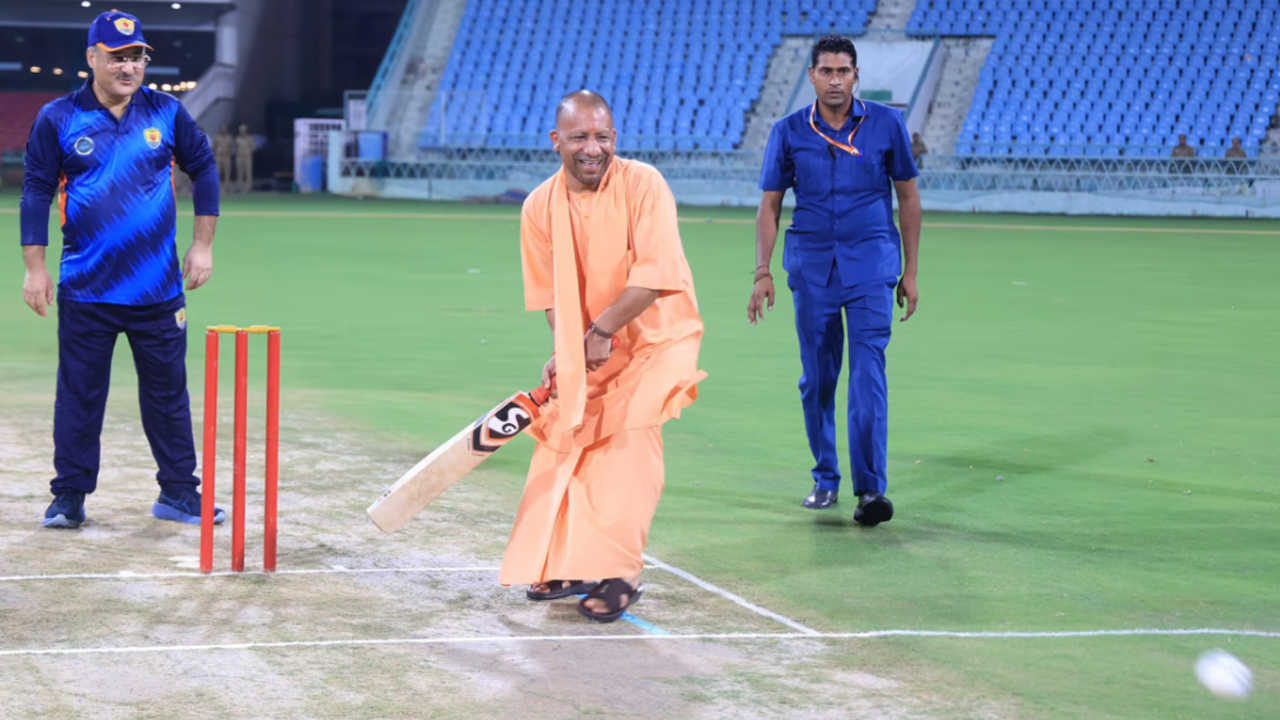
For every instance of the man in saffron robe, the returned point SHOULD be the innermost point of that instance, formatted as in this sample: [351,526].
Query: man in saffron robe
[602,258]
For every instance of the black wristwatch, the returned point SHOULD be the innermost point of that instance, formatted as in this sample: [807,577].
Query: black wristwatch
[596,329]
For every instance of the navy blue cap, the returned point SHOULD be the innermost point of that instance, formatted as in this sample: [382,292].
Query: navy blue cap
[115,30]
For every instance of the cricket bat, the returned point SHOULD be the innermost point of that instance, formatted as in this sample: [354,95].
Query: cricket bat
[450,462]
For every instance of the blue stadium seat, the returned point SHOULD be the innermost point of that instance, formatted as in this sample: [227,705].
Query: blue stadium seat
[672,57]
[1214,53]
[1148,61]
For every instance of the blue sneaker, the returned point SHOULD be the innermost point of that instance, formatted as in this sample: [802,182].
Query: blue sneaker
[67,511]
[183,506]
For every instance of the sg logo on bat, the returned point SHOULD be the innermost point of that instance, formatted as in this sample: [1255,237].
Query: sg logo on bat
[498,427]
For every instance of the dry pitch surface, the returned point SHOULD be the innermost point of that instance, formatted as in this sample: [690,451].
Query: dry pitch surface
[359,624]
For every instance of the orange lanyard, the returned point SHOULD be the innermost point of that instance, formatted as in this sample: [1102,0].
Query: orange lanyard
[849,148]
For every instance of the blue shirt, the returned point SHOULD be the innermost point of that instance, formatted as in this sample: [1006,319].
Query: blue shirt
[844,206]
[119,209]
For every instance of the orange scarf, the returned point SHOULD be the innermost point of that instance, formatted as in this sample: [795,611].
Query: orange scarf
[607,231]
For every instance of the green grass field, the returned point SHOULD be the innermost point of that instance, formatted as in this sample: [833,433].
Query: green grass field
[1118,374]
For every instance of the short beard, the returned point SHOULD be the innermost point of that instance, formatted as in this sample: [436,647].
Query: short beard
[604,168]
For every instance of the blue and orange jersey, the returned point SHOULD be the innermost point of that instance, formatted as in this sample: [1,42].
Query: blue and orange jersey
[114,183]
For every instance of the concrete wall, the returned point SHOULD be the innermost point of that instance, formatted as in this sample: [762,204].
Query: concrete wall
[927,86]
[266,52]
[893,65]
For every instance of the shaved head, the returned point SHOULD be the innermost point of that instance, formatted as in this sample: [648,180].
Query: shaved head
[581,100]
[585,138]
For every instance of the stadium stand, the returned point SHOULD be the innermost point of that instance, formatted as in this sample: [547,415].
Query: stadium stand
[1104,78]
[680,75]
[18,111]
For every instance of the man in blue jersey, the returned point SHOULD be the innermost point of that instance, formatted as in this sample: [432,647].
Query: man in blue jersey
[844,261]
[107,151]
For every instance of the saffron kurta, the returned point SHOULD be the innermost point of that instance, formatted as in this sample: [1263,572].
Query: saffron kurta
[597,472]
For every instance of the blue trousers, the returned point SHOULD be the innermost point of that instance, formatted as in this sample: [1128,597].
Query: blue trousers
[868,309]
[87,334]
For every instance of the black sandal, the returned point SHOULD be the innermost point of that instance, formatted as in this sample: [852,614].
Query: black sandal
[567,588]
[611,592]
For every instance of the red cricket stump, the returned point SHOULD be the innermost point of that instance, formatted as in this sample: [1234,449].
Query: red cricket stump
[273,452]
[239,440]
[207,471]
[240,446]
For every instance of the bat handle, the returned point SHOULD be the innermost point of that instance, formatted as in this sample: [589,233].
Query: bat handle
[542,393]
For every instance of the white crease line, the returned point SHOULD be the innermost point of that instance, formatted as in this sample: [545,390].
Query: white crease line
[590,638]
[127,575]
[654,563]
[336,570]
[1055,633]
[730,596]
[339,570]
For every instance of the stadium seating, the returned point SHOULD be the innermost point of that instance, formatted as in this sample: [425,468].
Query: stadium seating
[1112,78]
[679,74]
[18,111]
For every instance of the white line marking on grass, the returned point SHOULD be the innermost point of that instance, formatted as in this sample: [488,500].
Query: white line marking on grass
[1092,228]
[654,564]
[874,634]
[130,575]
[334,570]
[739,221]
[1013,634]
[385,215]
[749,221]
[730,596]
[323,215]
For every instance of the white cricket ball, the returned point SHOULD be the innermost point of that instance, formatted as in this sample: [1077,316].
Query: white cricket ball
[1224,675]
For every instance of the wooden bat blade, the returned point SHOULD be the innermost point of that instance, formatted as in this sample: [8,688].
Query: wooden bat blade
[434,474]
[450,462]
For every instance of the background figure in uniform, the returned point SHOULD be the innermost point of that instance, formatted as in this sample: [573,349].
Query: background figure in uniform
[1237,163]
[843,256]
[918,149]
[245,146]
[111,146]
[1183,150]
[223,144]
[602,257]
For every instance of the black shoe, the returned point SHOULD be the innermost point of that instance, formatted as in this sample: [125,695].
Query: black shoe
[820,499]
[562,589]
[67,511]
[873,509]
[611,592]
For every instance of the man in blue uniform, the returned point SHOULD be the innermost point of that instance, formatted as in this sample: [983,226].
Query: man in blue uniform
[108,152]
[843,255]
